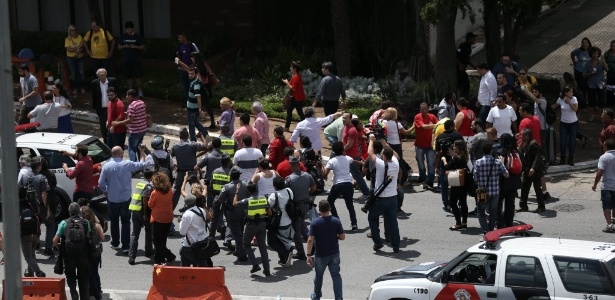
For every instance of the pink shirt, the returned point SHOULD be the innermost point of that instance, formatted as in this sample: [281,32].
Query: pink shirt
[247,130]
[261,124]
[136,112]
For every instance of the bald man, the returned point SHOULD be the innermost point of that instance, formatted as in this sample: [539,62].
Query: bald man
[115,182]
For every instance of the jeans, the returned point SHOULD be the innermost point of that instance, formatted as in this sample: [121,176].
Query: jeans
[188,259]
[297,105]
[331,139]
[345,190]
[119,211]
[320,263]
[95,278]
[258,230]
[568,134]
[330,107]
[28,246]
[50,225]
[76,72]
[139,221]
[117,139]
[77,269]
[484,112]
[386,206]
[443,184]
[492,205]
[298,224]
[355,171]
[193,121]
[134,140]
[160,232]
[429,172]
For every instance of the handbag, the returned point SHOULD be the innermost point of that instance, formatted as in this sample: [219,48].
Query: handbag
[287,98]
[212,79]
[456,178]
[206,248]
[481,193]
[274,221]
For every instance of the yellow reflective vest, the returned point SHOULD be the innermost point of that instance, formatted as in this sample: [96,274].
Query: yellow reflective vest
[218,180]
[136,202]
[228,147]
[257,208]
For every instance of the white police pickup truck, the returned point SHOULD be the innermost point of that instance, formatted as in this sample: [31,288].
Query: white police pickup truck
[50,145]
[512,267]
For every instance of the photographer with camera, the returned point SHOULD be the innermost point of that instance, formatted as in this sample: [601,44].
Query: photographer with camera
[444,142]
[383,201]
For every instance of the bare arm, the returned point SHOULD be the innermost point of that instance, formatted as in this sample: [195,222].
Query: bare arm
[597,179]
[458,120]
[183,190]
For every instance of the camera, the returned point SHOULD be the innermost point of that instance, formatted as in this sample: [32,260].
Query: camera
[191,174]
[376,131]
[367,205]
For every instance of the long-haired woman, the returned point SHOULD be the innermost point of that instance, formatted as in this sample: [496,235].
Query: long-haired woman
[295,86]
[161,203]
[580,59]
[459,194]
[569,124]
[60,96]
[227,106]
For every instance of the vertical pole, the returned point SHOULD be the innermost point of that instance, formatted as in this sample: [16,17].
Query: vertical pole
[10,208]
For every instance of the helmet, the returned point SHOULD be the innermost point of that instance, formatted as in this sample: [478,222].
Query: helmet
[157,142]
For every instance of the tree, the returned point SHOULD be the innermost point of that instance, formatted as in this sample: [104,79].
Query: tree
[419,65]
[94,10]
[491,17]
[341,37]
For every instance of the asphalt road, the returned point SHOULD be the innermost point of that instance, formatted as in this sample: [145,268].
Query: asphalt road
[574,212]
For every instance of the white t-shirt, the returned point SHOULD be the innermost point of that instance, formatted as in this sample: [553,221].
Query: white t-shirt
[283,198]
[568,115]
[265,185]
[540,115]
[502,119]
[47,114]
[393,132]
[247,160]
[340,165]
[192,226]
[393,171]
[62,101]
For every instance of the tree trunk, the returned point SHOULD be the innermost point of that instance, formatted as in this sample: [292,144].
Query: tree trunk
[94,10]
[446,68]
[107,12]
[491,16]
[341,37]
[419,67]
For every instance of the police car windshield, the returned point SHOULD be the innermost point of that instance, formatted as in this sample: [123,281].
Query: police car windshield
[437,273]
[97,150]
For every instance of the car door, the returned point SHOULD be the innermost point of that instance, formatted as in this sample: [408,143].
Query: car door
[473,277]
[525,277]
[581,278]
[55,160]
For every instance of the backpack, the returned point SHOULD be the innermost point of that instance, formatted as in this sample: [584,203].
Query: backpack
[163,165]
[29,221]
[95,244]
[513,163]
[75,237]
[27,183]
[293,209]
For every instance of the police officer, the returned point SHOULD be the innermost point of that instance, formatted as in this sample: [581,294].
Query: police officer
[229,145]
[211,161]
[160,158]
[185,154]
[219,178]
[38,187]
[301,184]
[257,210]
[235,217]
[140,216]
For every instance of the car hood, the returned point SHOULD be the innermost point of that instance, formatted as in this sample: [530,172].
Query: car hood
[415,271]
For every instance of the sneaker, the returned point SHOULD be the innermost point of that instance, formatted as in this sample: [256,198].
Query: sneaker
[609,229]
[229,245]
[355,228]
[546,196]
[267,273]
[289,259]
[363,198]
[299,256]
[125,251]
[522,209]
[171,258]
[539,210]
[115,247]
[473,213]
[378,247]
[400,211]
[447,209]
[255,268]
[282,263]
[49,252]
[41,274]
[369,234]
[28,274]
[427,186]
[131,261]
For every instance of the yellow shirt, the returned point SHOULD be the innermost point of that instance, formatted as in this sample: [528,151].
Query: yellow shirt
[99,45]
[436,131]
[74,42]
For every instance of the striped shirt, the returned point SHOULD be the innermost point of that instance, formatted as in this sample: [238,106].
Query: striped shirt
[136,112]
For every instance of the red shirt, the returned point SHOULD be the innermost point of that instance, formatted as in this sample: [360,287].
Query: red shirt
[116,112]
[276,151]
[533,123]
[466,124]
[607,132]
[423,136]
[284,168]
[82,173]
[297,84]
[350,133]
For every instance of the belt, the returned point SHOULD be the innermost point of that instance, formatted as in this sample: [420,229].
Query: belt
[254,221]
[387,198]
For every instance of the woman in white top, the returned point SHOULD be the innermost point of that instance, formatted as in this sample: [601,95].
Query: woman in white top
[569,124]
[394,129]
[60,96]
[282,240]
[264,178]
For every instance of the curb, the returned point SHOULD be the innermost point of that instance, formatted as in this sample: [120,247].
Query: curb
[580,166]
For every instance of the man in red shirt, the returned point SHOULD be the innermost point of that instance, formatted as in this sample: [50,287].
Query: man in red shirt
[115,112]
[608,128]
[528,121]
[284,168]
[277,146]
[350,139]
[82,173]
[424,122]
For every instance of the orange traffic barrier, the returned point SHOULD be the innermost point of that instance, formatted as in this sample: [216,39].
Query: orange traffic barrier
[186,283]
[41,288]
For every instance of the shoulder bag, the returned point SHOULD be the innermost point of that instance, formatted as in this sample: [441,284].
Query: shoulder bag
[273,222]
[206,248]
[481,192]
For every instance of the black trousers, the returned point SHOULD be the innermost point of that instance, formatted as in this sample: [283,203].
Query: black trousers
[507,203]
[102,123]
[162,254]
[77,270]
[525,190]
[289,111]
[330,107]
[458,200]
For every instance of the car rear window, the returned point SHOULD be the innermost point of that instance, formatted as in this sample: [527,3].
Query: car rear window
[581,275]
[97,150]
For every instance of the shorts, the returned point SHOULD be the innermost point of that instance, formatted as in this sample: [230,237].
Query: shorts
[132,69]
[608,199]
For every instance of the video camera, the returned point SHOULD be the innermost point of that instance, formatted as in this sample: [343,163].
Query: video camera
[376,131]
[374,196]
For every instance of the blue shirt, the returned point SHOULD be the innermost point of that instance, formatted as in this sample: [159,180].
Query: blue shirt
[325,231]
[490,182]
[115,179]
[331,88]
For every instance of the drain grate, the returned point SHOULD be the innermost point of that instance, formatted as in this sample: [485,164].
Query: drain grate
[568,207]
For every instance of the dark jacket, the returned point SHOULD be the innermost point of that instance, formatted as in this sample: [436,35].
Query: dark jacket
[97,94]
[532,159]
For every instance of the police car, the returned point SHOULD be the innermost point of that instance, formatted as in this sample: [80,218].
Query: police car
[511,267]
[50,145]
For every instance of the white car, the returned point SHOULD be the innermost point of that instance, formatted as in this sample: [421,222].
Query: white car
[50,145]
[512,267]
